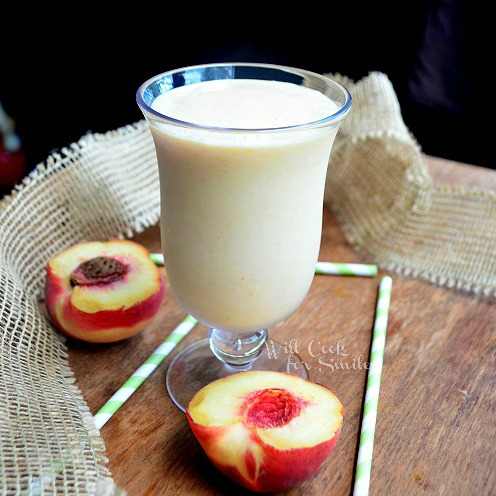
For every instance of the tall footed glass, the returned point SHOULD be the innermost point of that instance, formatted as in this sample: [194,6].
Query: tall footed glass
[242,183]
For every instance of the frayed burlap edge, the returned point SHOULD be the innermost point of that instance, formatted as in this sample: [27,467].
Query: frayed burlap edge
[105,185]
[388,207]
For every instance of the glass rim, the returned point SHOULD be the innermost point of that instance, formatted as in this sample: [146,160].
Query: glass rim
[334,117]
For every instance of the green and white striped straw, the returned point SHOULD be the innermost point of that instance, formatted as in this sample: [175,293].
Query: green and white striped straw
[325,268]
[157,258]
[366,446]
[144,371]
[346,269]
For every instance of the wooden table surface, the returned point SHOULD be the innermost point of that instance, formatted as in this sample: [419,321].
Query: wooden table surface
[436,426]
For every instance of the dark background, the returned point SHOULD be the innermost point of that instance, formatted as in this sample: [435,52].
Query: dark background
[79,70]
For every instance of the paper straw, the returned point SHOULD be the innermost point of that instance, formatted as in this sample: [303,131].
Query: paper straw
[346,269]
[144,371]
[366,446]
[157,258]
[324,268]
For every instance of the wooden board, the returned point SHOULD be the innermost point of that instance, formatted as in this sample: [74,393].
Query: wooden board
[436,429]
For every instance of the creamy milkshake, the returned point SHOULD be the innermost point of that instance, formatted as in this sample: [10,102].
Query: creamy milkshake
[241,210]
[242,153]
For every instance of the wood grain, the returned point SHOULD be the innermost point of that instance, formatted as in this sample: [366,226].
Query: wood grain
[436,431]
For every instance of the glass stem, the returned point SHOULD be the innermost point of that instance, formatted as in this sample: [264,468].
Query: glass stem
[237,349]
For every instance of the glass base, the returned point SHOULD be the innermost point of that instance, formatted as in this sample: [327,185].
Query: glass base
[197,366]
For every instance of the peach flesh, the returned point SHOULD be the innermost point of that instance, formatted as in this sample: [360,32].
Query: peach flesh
[103,291]
[109,319]
[270,408]
[266,431]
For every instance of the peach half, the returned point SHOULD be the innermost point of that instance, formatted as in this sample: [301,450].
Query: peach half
[103,291]
[267,431]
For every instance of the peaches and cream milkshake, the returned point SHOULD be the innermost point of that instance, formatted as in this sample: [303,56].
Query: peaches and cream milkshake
[242,163]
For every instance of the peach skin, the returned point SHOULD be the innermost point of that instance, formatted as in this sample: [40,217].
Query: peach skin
[103,291]
[267,431]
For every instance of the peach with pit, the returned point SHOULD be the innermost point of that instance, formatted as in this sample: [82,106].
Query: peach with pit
[103,291]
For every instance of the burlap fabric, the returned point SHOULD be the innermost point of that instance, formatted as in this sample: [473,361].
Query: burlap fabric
[104,186]
[389,208]
[107,186]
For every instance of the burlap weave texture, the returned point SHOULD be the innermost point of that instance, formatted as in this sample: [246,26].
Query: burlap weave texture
[391,211]
[104,186]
